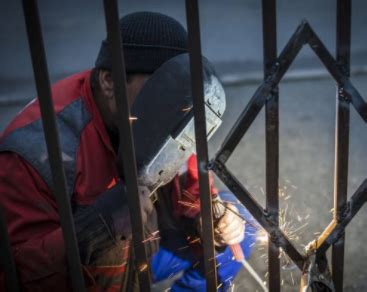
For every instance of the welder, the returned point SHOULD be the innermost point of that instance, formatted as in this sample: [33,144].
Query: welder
[155,51]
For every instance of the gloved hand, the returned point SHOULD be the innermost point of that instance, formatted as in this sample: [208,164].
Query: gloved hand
[112,205]
[230,229]
[101,225]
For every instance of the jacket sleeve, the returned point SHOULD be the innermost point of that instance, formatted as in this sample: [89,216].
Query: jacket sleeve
[186,192]
[33,225]
[35,233]
[193,278]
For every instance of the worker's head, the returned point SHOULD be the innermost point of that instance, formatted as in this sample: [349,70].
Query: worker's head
[149,40]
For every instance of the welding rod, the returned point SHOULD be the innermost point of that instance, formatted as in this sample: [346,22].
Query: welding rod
[219,209]
[253,273]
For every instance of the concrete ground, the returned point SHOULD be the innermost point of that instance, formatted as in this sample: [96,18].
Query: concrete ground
[231,37]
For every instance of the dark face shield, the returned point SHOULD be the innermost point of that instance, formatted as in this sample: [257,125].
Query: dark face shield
[164,132]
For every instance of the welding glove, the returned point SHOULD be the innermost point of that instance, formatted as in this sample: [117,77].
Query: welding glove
[107,222]
[112,206]
[229,229]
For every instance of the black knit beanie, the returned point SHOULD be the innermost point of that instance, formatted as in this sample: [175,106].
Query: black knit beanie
[149,40]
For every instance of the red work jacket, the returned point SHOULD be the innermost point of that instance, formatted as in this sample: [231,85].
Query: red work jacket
[89,161]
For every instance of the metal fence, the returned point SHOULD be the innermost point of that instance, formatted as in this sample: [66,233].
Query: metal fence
[267,94]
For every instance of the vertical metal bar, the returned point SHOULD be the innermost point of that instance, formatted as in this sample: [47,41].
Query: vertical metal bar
[245,197]
[40,70]
[355,203]
[126,149]
[343,33]
[269,34]
[272,137]
[342,137]
[6,257]
[340,186]
[193,25]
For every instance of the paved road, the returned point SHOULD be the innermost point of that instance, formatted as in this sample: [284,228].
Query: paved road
[231,32]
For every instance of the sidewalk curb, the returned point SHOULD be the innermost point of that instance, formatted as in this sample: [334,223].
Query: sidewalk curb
[239,79]
[291,76]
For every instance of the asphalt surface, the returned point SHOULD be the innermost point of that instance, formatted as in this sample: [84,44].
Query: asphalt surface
[231,37]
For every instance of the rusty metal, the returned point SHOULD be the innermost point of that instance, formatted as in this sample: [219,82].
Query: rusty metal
[126,155]
[272,138]
[316,275]
[193,26]
[41,76]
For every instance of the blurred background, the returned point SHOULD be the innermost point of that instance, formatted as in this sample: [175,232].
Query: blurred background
[232,40]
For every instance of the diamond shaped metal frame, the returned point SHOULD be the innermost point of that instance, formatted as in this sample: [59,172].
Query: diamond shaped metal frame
[265,93]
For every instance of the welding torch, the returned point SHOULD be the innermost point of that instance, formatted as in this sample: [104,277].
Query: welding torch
[219,209]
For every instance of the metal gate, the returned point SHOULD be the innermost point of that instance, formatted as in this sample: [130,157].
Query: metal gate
[267,94]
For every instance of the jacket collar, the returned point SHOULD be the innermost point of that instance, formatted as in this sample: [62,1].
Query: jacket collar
[92,107]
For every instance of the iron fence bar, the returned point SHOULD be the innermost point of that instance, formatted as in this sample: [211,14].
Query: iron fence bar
[340,185]
[342,137]
[254,106]
[325,57]
[243,123]
[245,120]
[271,137]
[354,204]
[269,23]
[7,262]
[338,73]
[357,100]
[303,34]
[126,154]
[193,26]
[289,52]
[267,222]
[40,70]
[343,34]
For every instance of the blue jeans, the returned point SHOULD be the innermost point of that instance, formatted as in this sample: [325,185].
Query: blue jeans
[175,256]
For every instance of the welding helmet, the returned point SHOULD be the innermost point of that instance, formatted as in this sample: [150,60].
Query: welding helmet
[164,132]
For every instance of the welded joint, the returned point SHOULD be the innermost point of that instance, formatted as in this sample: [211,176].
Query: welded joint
[343,95]
[275,238]
[343,212]
[273,92]
[274,233]
[222,158]
[303,30]
[343,68]
[271,216]
[316,275]
[269,79]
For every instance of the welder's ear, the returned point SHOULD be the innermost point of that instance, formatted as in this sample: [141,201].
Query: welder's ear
[106,83]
